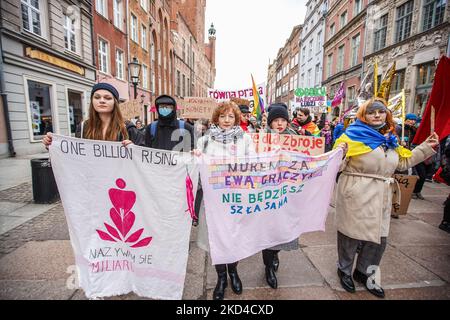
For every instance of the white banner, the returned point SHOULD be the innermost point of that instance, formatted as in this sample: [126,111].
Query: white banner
[261,201]
[247,93]
[126,208]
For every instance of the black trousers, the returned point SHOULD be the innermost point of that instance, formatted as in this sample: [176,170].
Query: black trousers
[198,201]
[222,268]
[268,256]
[370,254]
[447,210]
[421,170]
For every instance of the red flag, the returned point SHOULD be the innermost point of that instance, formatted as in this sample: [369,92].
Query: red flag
[440,100]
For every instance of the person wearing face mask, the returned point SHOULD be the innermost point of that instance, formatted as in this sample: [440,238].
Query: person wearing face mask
[225,138]
[365,191]
[169,133]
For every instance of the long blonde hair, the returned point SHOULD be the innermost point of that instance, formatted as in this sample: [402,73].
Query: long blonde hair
[93,126]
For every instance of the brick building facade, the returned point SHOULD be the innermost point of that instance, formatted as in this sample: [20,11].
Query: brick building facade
[343,49]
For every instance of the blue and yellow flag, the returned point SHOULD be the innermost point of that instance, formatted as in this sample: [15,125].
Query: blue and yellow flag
[362,139]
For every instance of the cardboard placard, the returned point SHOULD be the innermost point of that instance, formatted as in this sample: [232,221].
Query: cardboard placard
[130,109]
[407,184]
[309,145]
[197,108]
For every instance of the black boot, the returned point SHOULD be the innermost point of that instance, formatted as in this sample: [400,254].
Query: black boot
[276,262]
[271,277]
[374,288]
[346,281]
[219,290]
[236,284]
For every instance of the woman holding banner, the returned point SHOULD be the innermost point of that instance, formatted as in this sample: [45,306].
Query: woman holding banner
[105,119]
[225,138]
[365,190]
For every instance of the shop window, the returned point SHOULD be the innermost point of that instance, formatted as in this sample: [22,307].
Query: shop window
[40,105]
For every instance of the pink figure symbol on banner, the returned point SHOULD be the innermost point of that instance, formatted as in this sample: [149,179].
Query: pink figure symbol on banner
[190,196]
[123,218]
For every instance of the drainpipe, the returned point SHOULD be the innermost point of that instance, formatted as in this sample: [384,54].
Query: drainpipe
[12,153]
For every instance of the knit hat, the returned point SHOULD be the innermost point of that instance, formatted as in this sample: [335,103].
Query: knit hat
[105,86]
[278,110]
[165,99]
[244,109]
[411,116]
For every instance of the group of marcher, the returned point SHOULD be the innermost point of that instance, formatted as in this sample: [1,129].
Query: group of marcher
[373,153]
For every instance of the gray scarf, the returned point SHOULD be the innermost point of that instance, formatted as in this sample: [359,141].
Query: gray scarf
[225,136]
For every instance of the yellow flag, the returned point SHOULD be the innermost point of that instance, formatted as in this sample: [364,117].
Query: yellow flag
[385,86]
[375,78]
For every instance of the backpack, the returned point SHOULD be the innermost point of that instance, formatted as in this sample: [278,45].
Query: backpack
[154,124]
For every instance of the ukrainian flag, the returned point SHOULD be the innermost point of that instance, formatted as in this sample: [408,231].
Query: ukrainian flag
[362,139]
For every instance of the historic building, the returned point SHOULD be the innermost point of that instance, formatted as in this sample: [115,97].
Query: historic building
[414,34]
[343,50]
[312,39]
[194,60]
[286,67]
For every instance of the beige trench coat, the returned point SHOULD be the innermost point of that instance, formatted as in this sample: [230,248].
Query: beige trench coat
[363,204]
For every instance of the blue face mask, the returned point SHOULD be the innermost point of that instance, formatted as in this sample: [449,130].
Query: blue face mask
[164,111]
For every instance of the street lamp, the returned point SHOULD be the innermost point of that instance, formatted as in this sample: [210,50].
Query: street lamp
[135,70]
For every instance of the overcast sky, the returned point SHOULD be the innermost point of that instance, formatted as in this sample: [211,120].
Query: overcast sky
[249,33]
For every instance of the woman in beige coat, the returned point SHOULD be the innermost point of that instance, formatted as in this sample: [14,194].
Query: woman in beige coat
[365,190]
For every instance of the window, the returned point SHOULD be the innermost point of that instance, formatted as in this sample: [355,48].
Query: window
[291,83]
[329,65]
[144,4]
[292,62]
[118,13]
[319,41]
[426,74]
[357,8]
[332,30]
[119,64]
[317,77]
[340,62]
[134,27]
[69,33]
[433,13]
[302,80]
[380,33]
[144,76]
[303,54]
[101,7]
[153,82]
[295,81]
[310,52]
[75,100]
[32,17]
[399,81]
[350,95]
[40,104]
[184,50]
[309,84]
[103,56]
[144,37]
[184,85]
[403,22]
[343,20]
[178,83]
[355,50]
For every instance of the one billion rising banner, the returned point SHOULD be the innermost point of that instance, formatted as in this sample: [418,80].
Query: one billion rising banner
[258,202]
[129,231]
